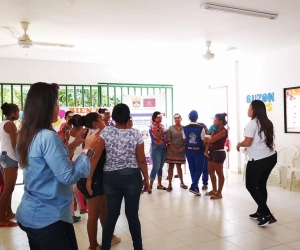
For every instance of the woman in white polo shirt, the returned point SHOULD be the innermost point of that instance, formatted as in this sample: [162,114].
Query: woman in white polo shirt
[259,141]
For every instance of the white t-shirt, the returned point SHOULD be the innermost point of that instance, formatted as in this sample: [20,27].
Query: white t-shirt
[258,149]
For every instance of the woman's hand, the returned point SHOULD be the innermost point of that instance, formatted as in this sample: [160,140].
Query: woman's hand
[80,137]
[92,139]
[146,185]
[238,147]
[88,186]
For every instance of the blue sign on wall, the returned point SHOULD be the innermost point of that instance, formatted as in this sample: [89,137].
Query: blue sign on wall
[267,98]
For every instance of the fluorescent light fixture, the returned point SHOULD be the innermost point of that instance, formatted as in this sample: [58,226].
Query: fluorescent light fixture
[209,6]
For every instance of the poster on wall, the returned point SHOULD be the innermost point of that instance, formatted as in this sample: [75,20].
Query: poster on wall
[292,109]
[141,110]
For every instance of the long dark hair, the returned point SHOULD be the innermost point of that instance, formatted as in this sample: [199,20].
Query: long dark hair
[266,126]
[38,115]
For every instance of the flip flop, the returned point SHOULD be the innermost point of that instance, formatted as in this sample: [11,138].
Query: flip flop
[161,188]
[183,186]
[10,224]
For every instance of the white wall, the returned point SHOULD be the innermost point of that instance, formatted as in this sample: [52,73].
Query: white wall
[271,73]
[191,80]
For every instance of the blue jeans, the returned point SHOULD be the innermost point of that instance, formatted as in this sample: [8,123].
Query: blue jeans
[59,236]
[196,160]
[158,155]
[117,184]
[205,172]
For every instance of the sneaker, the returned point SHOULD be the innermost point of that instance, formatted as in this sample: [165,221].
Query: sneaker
[267,220]
[83,211]
[195,191]
[256,216]
[115,240]
[204,187]
[76,219]
[272,220]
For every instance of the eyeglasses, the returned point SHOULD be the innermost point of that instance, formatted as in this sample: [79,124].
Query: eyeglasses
[55,86]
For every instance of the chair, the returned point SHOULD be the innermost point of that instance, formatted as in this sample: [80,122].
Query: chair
[294,169]
[284,157]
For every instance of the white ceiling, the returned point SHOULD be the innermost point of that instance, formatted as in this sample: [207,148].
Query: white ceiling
[109,31]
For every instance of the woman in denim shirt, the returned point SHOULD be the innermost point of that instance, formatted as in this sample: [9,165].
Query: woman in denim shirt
[45,209]
[158,150]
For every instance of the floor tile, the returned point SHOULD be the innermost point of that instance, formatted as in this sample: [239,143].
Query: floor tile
[251,241]
[182,221]
[193,236]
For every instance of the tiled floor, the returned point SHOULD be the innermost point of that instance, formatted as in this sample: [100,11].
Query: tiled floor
[179,220]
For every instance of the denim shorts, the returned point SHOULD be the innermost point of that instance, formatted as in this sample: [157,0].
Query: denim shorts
[97,187]
[7,162]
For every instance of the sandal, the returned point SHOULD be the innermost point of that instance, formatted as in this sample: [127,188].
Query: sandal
[161,187]
[150,191]
[170,188]
[216,196]
[183,186]
[210,193]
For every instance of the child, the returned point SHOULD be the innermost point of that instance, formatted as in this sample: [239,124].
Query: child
[209,133]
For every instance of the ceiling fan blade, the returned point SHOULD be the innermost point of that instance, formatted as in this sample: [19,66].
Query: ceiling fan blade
[61,45]
[7,45]
[12,31]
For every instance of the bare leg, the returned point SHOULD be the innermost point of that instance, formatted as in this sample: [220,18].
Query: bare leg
[159,182]
[211,171]
[94,207]
[179,172]
[219,169]
[170,173]
[10,177]
[151,184]
[9,213]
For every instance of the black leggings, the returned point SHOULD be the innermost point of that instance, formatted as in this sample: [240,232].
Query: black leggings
[257,175]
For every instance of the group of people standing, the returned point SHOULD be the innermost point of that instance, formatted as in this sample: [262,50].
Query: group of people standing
[111,165]
[178,143]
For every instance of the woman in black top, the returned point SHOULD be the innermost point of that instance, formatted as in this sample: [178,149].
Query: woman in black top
[92,187]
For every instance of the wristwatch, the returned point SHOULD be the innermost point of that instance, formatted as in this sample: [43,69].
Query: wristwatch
[88,152]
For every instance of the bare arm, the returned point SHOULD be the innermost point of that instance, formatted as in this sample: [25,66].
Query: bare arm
[11,129]
[218,136]
[141,160]
[245,143]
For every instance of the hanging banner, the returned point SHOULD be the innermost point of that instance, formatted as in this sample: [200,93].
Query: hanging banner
[75,110]
[141,110]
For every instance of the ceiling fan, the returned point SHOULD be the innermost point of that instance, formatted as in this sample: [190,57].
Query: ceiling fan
[25,42]
[208,55]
